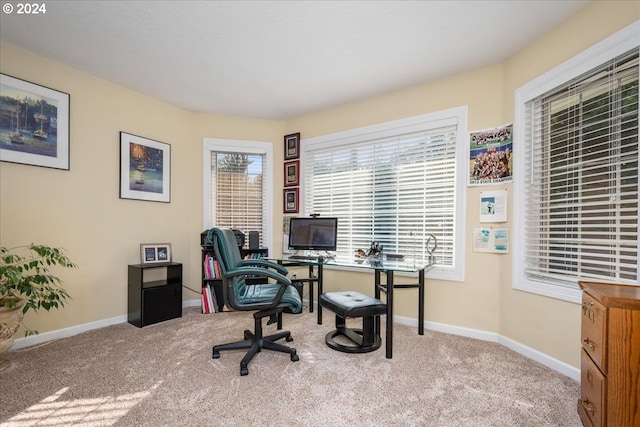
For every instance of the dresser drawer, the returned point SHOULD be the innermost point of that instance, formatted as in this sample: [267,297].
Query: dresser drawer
[593,331]
[593,386]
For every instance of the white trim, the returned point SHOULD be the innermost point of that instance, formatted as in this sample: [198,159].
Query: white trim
[232,145]
[453,116]
[46,337]
[607,49]
[528,352]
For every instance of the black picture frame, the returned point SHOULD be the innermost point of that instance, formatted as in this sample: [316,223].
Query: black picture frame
[292,146]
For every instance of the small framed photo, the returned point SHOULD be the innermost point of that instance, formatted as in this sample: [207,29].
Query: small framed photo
[291,200]
[292,146]
[145,169]
[292,173]
[155,253]
[34,124]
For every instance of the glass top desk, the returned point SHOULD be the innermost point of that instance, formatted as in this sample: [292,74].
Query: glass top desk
[380,266]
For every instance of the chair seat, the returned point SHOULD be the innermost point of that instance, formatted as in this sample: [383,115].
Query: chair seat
[352,304]
[258,293]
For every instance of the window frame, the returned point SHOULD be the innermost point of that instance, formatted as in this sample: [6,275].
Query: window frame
[240,146]
[459,115]
[587,60]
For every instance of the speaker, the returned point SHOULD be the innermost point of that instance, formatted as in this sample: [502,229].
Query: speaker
[254,240]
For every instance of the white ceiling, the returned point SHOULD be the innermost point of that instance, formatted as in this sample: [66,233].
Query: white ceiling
[278,59]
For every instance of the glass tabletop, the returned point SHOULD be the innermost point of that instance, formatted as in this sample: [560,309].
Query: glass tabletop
[379,263]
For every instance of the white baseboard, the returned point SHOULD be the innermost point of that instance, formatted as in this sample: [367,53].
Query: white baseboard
[75,330]
[548,361]
[66,332]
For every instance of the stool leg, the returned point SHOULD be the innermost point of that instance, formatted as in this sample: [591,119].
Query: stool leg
[368,330]
[341,324]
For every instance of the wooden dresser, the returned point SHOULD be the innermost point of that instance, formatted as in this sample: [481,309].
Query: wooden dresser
[610,356]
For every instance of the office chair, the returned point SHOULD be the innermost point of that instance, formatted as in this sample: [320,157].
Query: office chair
[266,299]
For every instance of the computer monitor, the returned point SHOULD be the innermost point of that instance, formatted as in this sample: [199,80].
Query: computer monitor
[313,234]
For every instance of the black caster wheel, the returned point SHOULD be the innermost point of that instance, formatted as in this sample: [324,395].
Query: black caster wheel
[244,371]
[289,339]
[294,357]
[216,354]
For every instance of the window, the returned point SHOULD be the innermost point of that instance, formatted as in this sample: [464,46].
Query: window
[394,183]
[577,217]
[237,186]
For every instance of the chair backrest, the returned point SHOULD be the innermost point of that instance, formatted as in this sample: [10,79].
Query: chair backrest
[227,245]
[238,295]
[229,257]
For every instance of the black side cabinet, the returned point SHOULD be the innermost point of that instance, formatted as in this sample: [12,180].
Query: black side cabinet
[154,295]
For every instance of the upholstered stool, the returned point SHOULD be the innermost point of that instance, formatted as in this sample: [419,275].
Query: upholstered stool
[353,305]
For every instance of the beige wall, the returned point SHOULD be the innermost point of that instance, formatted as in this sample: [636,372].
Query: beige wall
[80,209]
[549,325]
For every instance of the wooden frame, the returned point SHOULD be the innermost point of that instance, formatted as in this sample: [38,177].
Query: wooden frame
[292,173]
[34,127]
[292,146]
[155,253]
[290,200]
[145,169]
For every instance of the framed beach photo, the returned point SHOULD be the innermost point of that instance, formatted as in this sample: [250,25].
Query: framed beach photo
[34,124]
[145,169]
[292,146]
[155,253]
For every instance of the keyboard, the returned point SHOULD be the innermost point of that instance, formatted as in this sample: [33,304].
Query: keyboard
[304,257]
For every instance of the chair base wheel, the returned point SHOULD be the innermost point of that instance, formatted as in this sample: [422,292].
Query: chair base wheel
[294,357]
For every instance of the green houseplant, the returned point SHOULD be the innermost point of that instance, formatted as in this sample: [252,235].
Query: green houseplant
[26,283]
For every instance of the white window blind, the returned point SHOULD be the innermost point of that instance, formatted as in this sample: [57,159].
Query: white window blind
[237,186]
[581,177]
[394,188]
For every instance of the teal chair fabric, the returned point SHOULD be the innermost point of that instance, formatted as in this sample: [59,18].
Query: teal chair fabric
[249,285]
[238,294]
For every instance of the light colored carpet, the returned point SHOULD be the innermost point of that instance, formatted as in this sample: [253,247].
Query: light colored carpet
[163,375]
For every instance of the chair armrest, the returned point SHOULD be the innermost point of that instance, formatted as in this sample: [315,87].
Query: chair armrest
[264,263]
[260,272]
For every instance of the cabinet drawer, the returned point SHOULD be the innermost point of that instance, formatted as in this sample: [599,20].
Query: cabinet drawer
[593,331]
[593,389]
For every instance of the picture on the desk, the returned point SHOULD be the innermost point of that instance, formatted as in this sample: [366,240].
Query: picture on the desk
[151,253]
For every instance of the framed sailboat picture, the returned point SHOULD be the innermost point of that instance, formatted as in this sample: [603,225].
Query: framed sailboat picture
[34,124]
[145,169]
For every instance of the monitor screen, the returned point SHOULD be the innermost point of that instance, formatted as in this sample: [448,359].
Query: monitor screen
[313,234]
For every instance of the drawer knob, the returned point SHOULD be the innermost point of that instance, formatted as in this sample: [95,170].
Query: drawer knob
[587,406]
[588,343]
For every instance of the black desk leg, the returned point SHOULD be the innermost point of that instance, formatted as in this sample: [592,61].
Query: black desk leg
[389,314]
[421,302]
[311,288]
[320,291]
[377,295]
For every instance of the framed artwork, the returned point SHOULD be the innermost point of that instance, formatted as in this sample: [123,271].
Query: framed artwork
[290,200]
[154,253]
[34,124]
[292,146]
[292,173]
[145,169]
